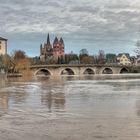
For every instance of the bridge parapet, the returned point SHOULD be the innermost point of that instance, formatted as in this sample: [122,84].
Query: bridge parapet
[81,65]
[80,69]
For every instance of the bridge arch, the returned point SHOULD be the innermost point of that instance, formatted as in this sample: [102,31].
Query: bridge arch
[124,70]
[88,71]
[67,71]
[43,72]
[107,71]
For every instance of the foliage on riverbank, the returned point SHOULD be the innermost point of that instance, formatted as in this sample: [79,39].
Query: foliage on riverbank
[13,63]
[135,69]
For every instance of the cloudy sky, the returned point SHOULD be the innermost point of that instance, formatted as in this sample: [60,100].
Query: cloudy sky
[110,25]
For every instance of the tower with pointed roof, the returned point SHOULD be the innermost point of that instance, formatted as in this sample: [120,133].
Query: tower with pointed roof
[55,41]
[58,48]
[48,39]
[46,50]
[62,46]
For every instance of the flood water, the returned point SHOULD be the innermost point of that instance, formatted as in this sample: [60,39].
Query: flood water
[70,108]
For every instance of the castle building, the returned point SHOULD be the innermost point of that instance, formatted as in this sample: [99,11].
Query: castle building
[48,51]
[3,46]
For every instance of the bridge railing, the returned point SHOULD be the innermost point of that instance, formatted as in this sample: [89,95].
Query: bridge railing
[81,65]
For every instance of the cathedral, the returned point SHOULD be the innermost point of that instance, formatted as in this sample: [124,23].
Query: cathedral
[48,51]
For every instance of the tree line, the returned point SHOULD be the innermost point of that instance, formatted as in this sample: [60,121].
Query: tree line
[83,58]
[18,59]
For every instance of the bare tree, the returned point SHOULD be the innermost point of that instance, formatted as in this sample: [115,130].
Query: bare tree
[21,60]
[18,54]
[101,57]
[88,60]
[6,63]
[84,52]
[137,49]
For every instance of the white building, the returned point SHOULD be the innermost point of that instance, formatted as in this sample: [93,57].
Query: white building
[124,59]
[3,46]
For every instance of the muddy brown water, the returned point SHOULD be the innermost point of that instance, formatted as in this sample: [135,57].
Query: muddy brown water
[70,108]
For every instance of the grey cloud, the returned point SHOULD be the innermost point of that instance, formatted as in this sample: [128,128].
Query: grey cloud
[87,8]
[51,3]
[98,18]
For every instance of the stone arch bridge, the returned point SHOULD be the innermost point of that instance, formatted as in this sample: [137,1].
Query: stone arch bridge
[80,69]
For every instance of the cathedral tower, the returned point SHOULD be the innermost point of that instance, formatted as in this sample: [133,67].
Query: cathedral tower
[47,51]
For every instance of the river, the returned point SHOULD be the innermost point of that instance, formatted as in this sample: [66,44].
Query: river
[70,108]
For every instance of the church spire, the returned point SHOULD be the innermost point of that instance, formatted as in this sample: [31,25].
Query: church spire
[61,41]
[55,40]
[48,39]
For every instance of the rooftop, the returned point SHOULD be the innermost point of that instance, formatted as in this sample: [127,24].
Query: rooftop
[126,54]
[1,38]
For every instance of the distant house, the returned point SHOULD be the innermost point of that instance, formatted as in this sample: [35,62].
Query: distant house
[3,46]
[124,59]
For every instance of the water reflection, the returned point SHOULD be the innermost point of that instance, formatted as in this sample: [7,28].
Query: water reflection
[69,78]
[53,94]
[51,100]
[3,103]
[87,107]
[18,92]
[138,107]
